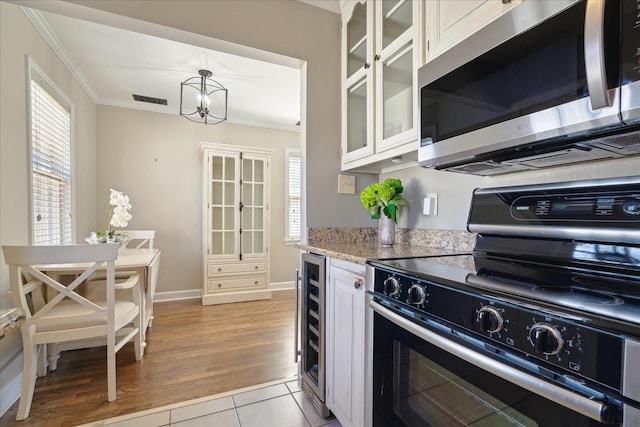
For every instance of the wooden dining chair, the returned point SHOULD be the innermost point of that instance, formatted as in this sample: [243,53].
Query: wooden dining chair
[56,312]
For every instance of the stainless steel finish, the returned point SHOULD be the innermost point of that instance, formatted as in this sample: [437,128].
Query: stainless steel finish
[604,109]
[630,102]
[572,118]
[631,416]
[601,235]
[630,236]
[593,184]
[631,373]
[594,54]
[296,319]
[583,405]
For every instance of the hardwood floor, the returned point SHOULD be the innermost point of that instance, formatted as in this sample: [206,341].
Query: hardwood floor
[192,351]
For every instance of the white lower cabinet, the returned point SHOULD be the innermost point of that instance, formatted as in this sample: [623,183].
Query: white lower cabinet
[345,357]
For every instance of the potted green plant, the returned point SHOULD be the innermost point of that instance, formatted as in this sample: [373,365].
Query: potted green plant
[383,201]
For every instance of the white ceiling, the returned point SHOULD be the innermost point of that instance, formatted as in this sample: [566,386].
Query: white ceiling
[112,64]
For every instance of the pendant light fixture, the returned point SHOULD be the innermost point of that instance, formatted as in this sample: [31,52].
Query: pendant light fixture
[207,95]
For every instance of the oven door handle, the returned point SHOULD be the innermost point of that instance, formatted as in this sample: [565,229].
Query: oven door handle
[583,405]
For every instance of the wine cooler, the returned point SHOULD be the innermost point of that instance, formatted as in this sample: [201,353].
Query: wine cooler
[310,300]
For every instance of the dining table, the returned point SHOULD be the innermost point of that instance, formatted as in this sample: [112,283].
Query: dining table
[144,261]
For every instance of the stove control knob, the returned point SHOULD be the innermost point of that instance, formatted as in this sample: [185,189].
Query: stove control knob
[417,295]
[631,206]
[545,339]
[490,319]
[391,286]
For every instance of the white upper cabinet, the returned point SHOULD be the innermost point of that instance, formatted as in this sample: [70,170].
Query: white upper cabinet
[449,22]
[381,45]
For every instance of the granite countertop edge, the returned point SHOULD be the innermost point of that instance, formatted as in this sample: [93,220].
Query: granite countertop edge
[360,253]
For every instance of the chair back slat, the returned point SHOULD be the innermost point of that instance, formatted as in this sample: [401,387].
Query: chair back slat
[141,237]
[30,262]
[63,291]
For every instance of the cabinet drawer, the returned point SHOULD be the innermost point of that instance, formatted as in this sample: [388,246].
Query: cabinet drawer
[245,267]
[243,282]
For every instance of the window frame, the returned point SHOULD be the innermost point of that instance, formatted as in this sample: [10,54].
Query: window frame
[288,238]
[35,72]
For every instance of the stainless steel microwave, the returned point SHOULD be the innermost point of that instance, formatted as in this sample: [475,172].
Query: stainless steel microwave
[548,83]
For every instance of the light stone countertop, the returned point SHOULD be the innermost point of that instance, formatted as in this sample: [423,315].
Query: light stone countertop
[359,253]
[359,244]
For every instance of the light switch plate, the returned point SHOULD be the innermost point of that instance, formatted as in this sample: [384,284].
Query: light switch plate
[346,184]
[430,206]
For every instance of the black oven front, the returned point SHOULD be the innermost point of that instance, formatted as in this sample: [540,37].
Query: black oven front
[426,373]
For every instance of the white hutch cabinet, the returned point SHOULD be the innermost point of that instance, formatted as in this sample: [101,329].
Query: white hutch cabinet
[235,223]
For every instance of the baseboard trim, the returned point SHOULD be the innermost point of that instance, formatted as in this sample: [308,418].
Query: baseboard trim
[177,295]
[197,293]
[282,286]
[10,393]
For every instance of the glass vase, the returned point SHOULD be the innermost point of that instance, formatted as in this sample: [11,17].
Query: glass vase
[387,231]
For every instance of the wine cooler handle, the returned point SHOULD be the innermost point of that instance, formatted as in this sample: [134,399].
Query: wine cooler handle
[296,352]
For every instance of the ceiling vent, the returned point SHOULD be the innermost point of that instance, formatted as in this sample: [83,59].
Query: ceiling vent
[150,99]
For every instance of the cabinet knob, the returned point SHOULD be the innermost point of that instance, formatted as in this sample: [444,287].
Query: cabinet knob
[219,285]
[376,58]
[255,283]
[366,65]
[357,284]
[255,268]
[506,1]
[219,268]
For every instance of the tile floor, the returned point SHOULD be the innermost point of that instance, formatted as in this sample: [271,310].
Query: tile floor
[276,404]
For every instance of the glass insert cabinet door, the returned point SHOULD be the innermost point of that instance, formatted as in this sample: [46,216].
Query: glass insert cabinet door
[223,208]
[253,206]
[237,204]
[358,73]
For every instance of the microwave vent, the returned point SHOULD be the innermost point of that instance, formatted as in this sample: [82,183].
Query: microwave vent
[482,168]
[564,157]
[625,144]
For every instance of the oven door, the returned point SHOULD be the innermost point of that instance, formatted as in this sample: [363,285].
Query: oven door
[423,378]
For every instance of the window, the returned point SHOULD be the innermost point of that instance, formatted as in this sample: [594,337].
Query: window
[51,177]
[292,227]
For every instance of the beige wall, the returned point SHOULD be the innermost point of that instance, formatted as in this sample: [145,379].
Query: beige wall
[156,160]
[18,39]
[284,27]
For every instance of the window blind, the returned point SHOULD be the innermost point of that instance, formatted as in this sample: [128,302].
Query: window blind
[50,168]
[293,195]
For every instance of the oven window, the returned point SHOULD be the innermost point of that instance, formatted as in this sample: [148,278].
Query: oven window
[427,391]
[417,384]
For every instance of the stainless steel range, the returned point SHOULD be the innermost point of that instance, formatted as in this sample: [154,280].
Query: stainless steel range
[540,326]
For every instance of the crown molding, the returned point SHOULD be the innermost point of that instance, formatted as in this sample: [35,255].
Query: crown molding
[47,33]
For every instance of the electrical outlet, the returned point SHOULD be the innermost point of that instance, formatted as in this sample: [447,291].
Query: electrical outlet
[346,184]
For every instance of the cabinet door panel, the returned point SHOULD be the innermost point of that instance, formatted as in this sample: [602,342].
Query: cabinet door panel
[357,39]
[346,347]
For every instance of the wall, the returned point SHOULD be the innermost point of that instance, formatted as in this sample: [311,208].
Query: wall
[156,160]
[14,193]
[283,27]
[454,190]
